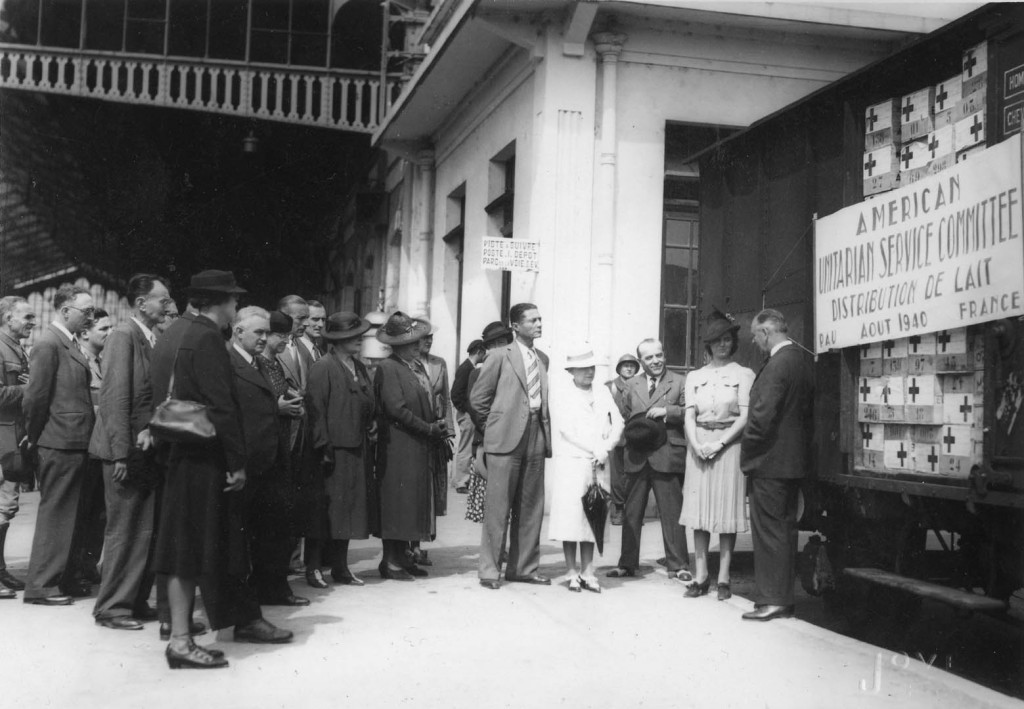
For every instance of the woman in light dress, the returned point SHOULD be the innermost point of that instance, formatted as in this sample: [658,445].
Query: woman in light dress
[585,426]
[714,490]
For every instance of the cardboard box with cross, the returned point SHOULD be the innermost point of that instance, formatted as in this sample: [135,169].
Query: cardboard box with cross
[974,66]
[882,124]
[947,95]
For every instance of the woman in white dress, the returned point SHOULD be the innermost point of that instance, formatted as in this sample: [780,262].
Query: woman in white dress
[714,490]
[585,426]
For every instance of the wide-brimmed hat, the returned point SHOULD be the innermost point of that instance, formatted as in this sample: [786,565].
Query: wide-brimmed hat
[213,281]
[644,435]
[581,357]
[627,358]
[495,331]
[718,324]
[344,326]
[400,329]
[423,318]
[280,323]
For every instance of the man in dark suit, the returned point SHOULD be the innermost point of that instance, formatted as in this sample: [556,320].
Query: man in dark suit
[268,495]
[16,323]
[625,369]
[121,441]
[511,399]
[460,401]
[775,454]
[658,394]
[58,421]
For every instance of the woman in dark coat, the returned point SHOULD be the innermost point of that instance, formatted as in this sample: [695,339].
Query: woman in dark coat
[341,408]
[201,537]
[408,446]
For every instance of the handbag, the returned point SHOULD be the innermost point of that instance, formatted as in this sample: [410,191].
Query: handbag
[17,465]
[179,420]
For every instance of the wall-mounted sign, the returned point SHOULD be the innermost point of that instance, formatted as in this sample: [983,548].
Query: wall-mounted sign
[944,252]
[510,254]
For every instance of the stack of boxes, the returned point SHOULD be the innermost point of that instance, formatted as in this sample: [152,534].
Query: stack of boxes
[928,130]
[919,404]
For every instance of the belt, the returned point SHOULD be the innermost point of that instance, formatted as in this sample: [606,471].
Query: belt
[535,414]
[714,425]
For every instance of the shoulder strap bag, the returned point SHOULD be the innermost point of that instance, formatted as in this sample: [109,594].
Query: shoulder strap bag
[181,421]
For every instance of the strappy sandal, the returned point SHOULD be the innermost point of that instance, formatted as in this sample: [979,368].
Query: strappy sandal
[590,584]
[574,584]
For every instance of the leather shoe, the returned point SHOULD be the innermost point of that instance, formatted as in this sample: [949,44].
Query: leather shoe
[493,584]
[261,631]
[414,570]
[315,579]
[399,574]
[120,622]
[195,658]
[51,601]
[6,593]
[194,628]
[536,579]
[10,581]
[724,591]
[291,600]
[620,572]
[347,579]
[769,613]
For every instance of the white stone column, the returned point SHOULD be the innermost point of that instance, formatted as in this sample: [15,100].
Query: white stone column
[421,245]
[608,46]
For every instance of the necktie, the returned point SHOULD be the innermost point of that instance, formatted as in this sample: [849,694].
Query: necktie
[533,381]
[317,354]
[256,363]
[650,390]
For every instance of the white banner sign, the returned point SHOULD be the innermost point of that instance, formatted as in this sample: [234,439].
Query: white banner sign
[510,254]
[941,253]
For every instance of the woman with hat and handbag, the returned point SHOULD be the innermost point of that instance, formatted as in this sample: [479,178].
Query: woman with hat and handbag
[585,427]
[408,447]
[714,490]
[341,414]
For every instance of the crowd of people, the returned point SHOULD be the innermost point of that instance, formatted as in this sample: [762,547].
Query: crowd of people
[314,445]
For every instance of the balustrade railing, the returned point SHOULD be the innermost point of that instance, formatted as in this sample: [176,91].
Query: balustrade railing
[341,99]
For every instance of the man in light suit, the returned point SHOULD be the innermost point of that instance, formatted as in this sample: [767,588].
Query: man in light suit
[659,396]
[58,420]
[16,323]
[775,454]
[121,440]
[511,399]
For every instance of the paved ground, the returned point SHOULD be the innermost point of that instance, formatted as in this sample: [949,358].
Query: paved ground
[447,642]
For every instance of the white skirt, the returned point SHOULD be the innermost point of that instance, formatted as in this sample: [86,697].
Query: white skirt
[569,479]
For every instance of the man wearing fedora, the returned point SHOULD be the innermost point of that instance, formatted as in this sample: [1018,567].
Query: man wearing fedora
[625,369]
[460,400]
[201,536]
[775,455]
[343,426]
[655,459]
[511,399]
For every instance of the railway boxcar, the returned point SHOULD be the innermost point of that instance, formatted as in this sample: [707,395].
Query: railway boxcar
[919,477]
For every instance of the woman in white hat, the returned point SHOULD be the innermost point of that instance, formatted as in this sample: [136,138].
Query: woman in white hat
[585,426]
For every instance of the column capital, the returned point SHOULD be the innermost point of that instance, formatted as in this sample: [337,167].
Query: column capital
[609,44]
[425,158]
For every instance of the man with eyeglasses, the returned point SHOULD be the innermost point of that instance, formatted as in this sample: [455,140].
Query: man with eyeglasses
[58,419]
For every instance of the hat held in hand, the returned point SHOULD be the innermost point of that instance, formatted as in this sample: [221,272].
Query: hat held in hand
[644,435]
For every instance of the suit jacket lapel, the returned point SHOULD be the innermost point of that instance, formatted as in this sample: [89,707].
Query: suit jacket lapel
[247,372]
[289,369]
[663,387]
[76,354]
[515,355]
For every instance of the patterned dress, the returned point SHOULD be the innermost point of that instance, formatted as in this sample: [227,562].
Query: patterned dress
[714,491]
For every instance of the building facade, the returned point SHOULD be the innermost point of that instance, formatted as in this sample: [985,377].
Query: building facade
[573,125]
